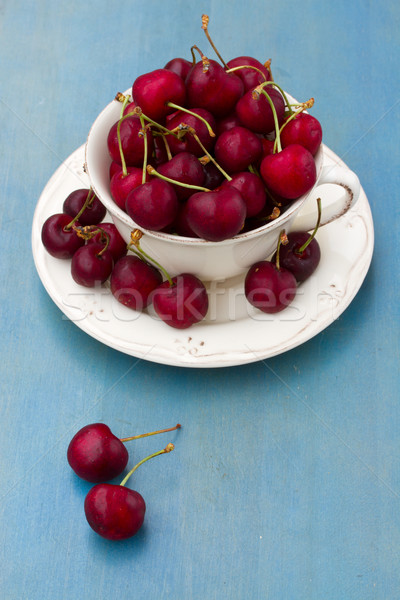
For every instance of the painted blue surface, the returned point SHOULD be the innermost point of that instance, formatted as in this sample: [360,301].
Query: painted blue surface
[285,480]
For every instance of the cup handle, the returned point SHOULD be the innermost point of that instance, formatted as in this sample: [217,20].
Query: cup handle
[333,205]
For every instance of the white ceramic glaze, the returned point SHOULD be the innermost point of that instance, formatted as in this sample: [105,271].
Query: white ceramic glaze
[213,260]
[233,332]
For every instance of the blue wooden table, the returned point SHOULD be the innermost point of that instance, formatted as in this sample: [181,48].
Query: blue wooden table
[285,480]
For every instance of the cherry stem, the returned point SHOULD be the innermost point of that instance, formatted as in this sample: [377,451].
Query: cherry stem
[204,25]
[89,231]
[193,56]
[204,59]
[186,110]
[152,171]
[278,87]
[267,65]
[233,69]
[89,200]
[135,247]
[283,239]
[167,148]
[144,133]
[121,152]
[278,139]
[168,448]
[155,124]
[137,437]
[312,236]
[293,115]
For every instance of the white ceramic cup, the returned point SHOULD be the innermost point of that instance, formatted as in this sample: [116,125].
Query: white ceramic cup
[213,260]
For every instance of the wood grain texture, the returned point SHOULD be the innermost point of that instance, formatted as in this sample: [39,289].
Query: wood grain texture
[285,481]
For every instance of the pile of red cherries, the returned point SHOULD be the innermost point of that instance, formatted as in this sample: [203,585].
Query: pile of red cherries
[201,149]
[96,455]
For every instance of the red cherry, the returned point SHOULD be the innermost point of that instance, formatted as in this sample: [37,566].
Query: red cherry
[116,244]
[289,173]
[91,265]
[251,189]
[237,148]
[250,77]
[301,264]
[255,112]
[152,92]
[96,454]
[180,66]
[133,281]
[217,215]
[183,167]
[268,288]
[209,86]
[93,213]
[121,185]
[59,241]
[183,303]
[132,142]
[113,511]
[305,130]
[153,205]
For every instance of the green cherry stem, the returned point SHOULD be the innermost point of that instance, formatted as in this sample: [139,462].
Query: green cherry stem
[205,19]
[137,437]
[260,90]
[144,133]
[89,200]
[121,152]
[233,69]
[152,171]
[136,248]
[89,231]
[312,236]
[278,87]
[168,448]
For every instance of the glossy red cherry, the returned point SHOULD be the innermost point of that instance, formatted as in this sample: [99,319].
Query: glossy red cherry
[60,240]
[268,288]
[93,214]
[237,148]
[250,77]
[132,141]
[217,215]
[153,91]
[96,454]
[251,188]
[153,205]
[133,281]
[302,263]
[91,265]
[255,112]
[185,168]
[121,185]
[305,130]
[228,122]
[180,66]
[289,173]
[114,512]
[183,303]
[116,244]
[210,87]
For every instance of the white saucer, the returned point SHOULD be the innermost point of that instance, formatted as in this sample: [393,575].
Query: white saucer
[233,333]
